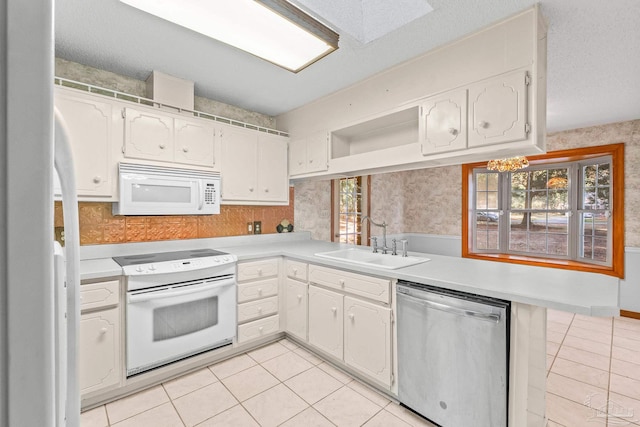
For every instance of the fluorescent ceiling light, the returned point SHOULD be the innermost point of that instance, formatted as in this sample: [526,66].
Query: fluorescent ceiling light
[273,30]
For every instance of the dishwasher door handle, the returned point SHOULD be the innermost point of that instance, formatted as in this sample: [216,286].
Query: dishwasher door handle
[490,317]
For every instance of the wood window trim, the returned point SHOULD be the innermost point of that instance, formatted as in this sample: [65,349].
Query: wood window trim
[616,151]
[333,209]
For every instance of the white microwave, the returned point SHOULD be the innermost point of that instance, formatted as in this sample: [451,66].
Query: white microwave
[155,190]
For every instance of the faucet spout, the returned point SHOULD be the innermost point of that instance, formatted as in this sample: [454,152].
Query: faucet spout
[384,231]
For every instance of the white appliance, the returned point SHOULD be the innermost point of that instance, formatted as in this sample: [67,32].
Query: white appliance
[67,287]
[155,190]
[178,304]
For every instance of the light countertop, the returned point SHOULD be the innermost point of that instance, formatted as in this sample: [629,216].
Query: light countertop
[580,292]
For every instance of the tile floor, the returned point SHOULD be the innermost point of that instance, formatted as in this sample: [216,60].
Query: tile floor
[280,384]
[593,379]
[593,376]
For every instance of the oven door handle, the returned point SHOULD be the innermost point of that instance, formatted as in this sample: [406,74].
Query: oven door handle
[154,295]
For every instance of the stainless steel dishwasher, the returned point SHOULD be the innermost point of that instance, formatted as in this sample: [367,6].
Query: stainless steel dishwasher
[453,353]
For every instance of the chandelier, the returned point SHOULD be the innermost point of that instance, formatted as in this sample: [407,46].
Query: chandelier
[508,165]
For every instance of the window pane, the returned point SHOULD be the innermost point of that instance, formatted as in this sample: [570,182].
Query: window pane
[603,198]
[492,181]
[517,199]
[558,199]
[539,199]
[481,182]
[492,200]
[604,175]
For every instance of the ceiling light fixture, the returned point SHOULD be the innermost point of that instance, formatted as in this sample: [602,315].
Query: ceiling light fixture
[273,30]
[510,164]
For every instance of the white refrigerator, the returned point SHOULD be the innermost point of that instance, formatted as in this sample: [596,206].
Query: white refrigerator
[67,286]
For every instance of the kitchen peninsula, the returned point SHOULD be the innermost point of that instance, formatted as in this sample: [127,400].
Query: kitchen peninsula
[531,291]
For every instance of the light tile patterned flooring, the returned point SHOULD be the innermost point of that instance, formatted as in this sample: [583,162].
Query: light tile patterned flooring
[280,384]
[593,379]
[593,376]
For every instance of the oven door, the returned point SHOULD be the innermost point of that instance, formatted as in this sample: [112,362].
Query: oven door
[167,323]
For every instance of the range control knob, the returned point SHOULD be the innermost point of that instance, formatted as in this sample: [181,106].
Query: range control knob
[152,267]
[139,269]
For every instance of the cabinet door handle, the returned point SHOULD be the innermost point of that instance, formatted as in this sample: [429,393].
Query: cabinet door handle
[299,297]
[97,179]
[259,272]
[341,281]
[251,189]
[162,146]
[260,329]
[334,310]
[310,160]
[103,331]
[185,149]
[295,271]
[299,162]
[259,309]
[259,291]
[352,316]
[482,124]
[453,131]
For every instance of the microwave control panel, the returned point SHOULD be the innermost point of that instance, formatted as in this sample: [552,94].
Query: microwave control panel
[210,194]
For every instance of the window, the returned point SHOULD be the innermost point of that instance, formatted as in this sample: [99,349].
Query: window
[565,210]
[350,200]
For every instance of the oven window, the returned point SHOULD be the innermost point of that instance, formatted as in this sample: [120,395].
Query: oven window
[160,193]
[183,319]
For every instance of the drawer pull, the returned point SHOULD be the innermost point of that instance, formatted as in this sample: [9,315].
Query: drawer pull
[352,316]
[341,281]
[295,271]
[260,329]
[103,331]
[259,309]
[334,310]
[259,272]
[259,291]
[299,297]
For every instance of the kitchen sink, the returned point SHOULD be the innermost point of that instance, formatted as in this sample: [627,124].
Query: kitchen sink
[366,257]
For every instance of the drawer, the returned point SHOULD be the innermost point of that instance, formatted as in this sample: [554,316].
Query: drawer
[257,269]
[296,270]
[370,287]
[101,294]
[258,328]
[256,290]
[256,309]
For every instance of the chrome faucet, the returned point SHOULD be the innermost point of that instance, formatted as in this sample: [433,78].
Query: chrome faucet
[384,247]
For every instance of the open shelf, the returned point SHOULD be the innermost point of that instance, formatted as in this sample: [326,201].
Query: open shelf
[392,130]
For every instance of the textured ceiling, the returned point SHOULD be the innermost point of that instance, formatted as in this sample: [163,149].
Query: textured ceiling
[593,52]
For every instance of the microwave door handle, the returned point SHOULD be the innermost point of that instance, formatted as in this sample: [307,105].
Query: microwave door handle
[149,296]
[200,195]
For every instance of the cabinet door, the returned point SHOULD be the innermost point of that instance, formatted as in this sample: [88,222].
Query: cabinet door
[325,320]
[148,135]
[297,156]
[367,339]
[296,308]
[273,180]
[239,164]
[195,142]
[89,123]
[498,110]
[99,350]
[444,122]
[317,152]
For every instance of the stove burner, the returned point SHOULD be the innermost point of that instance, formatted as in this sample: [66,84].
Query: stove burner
[165,256]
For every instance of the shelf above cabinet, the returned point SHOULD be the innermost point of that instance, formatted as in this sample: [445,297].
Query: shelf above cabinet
[391,130]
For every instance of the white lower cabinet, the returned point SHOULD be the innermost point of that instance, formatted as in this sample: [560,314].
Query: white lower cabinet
[99,341]
[345,325]
[295,306]
[258,302]
[367,338]
[325,320]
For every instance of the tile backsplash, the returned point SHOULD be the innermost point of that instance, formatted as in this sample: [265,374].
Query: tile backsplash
[99,226]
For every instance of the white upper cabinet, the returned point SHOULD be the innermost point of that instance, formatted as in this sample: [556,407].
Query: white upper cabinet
[167,137]
[498,110]
[89,121]
[254,167]
[444,122]
[148,135]
[195,142]
[310,154]
[273,181]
